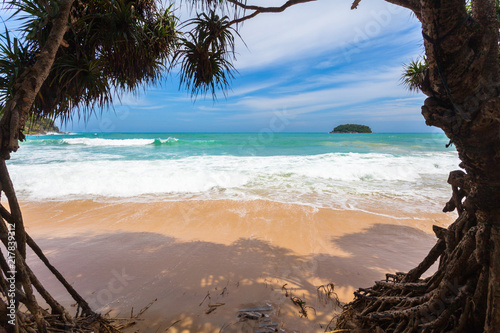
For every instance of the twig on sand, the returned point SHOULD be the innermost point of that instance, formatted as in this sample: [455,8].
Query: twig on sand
[216,305]
[285,289]
[207,295]
[145,308]
[210,310]
[175,322]
[301,304]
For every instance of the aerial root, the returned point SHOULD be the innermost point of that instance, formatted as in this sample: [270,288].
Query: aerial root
[452,299]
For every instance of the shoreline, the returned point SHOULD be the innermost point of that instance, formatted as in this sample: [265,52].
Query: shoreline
[121,256]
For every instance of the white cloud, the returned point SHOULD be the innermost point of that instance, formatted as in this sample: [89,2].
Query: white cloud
[356,87]
[318,27]
[248,89]
[372,95]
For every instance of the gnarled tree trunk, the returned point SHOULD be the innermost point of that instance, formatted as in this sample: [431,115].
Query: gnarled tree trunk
[462,82]
[17,281]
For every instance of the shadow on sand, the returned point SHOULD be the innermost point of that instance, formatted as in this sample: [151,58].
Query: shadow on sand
[125,270]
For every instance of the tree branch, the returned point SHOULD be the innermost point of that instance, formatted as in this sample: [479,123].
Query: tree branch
[29,83]
[258,9]
[413,5]
[268,9]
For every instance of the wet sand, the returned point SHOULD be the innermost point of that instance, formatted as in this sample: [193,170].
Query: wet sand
[189,255]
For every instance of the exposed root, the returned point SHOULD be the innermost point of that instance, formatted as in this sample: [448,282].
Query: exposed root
[453,299]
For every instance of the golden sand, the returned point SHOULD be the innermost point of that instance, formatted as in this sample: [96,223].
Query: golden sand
[121,256]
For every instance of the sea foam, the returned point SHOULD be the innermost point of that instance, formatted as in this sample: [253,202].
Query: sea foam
[99,142]
[363,172]
[336,180]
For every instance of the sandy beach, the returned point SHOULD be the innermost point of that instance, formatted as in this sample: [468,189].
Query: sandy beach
[192,255]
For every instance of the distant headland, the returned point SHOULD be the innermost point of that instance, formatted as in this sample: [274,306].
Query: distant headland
[351,128]
[40,125]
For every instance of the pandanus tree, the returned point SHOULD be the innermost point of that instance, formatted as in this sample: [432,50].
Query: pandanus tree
[78,55]
[71,58]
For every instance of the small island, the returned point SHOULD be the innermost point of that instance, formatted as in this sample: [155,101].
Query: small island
[351,128]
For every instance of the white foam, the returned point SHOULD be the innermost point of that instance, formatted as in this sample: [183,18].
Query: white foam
[335,180]
[97,142]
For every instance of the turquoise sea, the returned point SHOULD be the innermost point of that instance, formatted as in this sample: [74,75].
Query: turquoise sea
[339,171]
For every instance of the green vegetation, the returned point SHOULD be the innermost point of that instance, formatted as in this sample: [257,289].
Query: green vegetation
[112,47]
[414,74]
[351,128]
[40,126]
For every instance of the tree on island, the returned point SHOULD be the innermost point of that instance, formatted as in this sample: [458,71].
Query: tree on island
[352,128]
[40,125]
[460,78]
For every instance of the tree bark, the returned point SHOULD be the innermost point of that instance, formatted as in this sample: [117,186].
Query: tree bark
[462,84]
[462,53]
[15,114]
[493,303]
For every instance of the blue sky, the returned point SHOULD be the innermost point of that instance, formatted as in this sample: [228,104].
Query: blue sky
[315,66]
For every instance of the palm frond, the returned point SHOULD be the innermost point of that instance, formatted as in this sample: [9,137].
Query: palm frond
[414,74]
[111,46]
[34,17]
[206,54]
[14,59]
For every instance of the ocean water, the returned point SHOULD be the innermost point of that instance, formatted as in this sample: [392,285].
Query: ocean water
[369,172]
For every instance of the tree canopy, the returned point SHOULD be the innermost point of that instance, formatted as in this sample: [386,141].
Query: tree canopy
[109,47]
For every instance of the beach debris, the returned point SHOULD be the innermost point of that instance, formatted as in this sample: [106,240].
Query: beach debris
[250,315]
[285,289]
[297,301]
[257,309]
[216,305]
[213,307]
[301,304]
[171,325]
[254,313]
[327,293]
[210,310]
[271,324]
[145,308]
[206,296]
[261,315]
[267,327]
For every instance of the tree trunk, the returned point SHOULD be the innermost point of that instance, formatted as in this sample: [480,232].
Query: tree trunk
[11,125]
[462,82]
[462,53]
[28,85]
